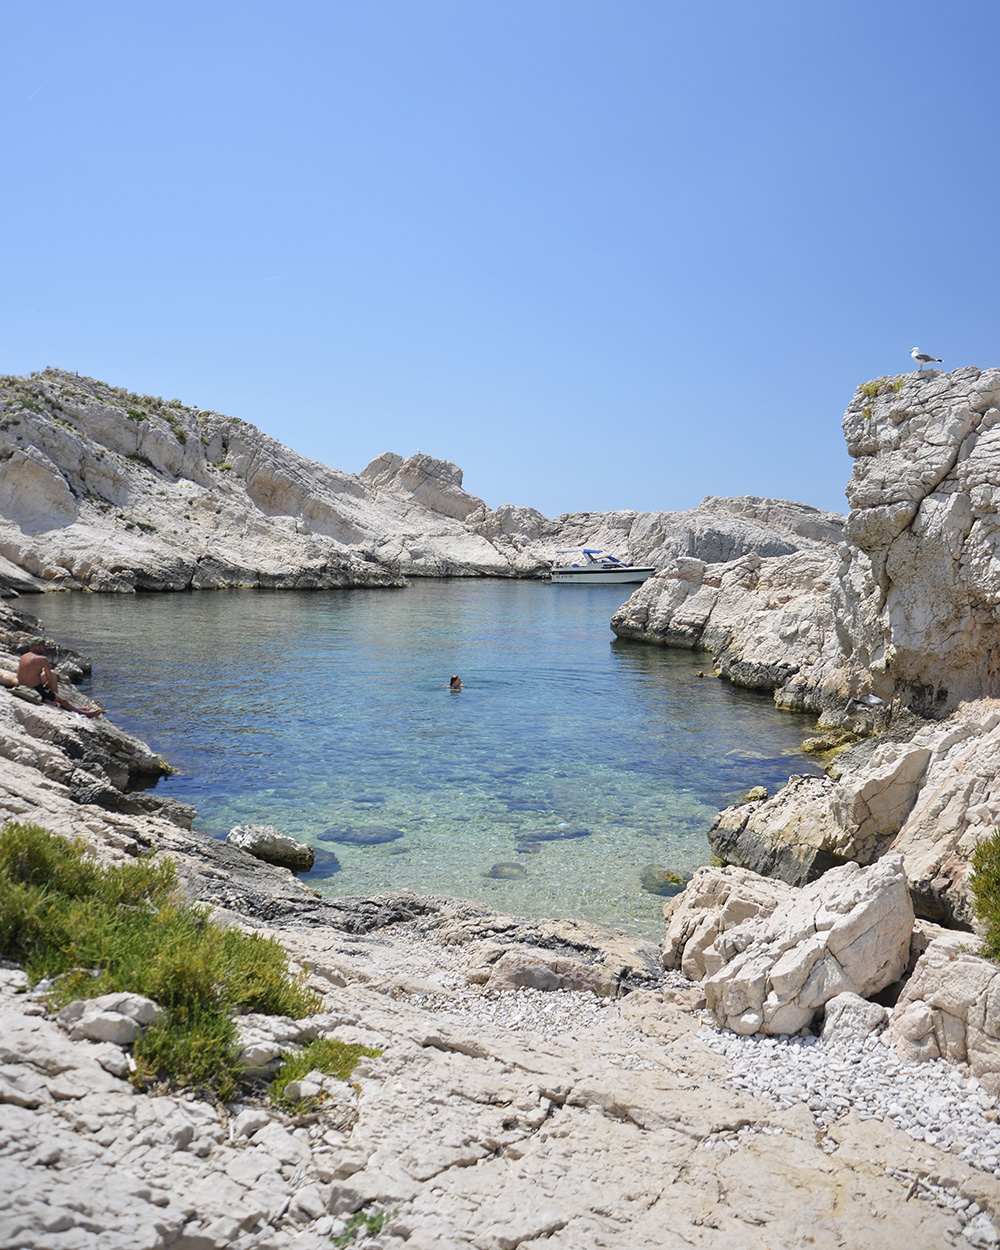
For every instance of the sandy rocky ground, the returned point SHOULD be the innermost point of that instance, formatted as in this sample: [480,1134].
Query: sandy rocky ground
[495,1118]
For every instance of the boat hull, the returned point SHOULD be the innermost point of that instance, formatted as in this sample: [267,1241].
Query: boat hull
[600,577]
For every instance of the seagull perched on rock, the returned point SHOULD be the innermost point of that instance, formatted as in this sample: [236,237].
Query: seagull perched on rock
[921,358]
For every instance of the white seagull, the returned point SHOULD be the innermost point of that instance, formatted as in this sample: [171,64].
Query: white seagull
[921,358]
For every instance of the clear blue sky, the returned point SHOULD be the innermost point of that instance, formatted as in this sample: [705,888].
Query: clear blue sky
[601,255]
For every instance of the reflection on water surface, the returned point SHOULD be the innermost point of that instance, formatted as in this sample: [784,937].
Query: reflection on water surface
[320,712]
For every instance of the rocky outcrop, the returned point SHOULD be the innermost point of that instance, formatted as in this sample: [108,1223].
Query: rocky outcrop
[113,491]
[918,601]
[768,622]
[950,1009]
[907,608]
[928,793]
[92,760]
[793,837]
[266,843]
[849,932]
[715,901]
[718,530]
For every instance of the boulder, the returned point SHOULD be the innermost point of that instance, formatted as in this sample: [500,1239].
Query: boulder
[794,836]
[118,1018]
[847,932]
[714,902]
[850,1017]
[266,843]
[517,970]
[950,1008]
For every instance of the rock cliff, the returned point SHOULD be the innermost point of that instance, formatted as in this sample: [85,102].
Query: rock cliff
[907,606]
[113,491]
[902,616]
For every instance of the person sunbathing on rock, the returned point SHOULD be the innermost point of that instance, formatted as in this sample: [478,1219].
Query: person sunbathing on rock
[34,672]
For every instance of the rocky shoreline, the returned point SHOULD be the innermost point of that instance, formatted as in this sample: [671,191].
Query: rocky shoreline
[805,1061]
[540,1082]
[114,492]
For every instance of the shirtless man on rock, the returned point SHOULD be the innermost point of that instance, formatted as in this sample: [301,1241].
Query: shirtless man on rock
[34,671]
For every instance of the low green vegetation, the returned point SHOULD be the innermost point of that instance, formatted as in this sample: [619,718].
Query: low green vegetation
[363,1224]
[178,429]
[877,385]
[984,885]
[324,1054]
[94,929]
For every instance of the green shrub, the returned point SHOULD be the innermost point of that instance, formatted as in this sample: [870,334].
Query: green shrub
[362,1224]
[31,855]
[884,383]
[95,929]
[324,1054]
[193,1049]
[984,884]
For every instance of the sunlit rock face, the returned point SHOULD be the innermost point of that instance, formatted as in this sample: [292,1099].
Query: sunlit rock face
[907,606]
[917,603]
[112,491]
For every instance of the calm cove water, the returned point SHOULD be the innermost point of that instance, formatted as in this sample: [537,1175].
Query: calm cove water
[573,758]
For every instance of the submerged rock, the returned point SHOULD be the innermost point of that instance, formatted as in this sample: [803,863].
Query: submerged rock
[658,879]
[506,872]
[552,833]
[324,865]
[362,835]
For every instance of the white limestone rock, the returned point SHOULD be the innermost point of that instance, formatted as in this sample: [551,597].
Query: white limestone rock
[521,970]
[119,492]
[950,1008]
[793,836]
[849,1017]
[266,843]
[907,606]
[713,904]
[847,932]
[931,798]
[766,621]
[118,1018]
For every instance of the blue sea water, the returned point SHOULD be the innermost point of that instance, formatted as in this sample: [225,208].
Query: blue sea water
[573,756]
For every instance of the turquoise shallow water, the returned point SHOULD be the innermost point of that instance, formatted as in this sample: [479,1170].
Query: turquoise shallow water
[573,756]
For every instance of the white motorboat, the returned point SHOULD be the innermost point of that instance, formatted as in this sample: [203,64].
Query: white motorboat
[595,569]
